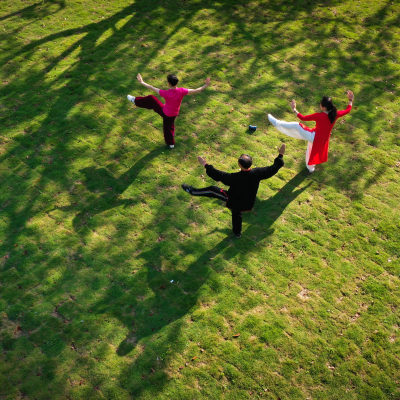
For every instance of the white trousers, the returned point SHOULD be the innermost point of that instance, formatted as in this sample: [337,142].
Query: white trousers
[294,130]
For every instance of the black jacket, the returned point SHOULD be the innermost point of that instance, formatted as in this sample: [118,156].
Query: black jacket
[243,185]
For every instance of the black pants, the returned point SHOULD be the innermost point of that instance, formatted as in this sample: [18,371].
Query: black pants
[218,193]
[152,103]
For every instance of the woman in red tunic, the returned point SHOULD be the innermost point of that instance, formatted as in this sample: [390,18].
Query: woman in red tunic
[317,137]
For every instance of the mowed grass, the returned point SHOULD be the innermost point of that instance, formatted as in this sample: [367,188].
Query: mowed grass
[115,284]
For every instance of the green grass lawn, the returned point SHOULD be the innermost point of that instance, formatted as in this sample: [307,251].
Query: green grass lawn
[116,284]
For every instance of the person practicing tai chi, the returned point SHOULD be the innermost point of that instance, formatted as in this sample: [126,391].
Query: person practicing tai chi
[317,137]
[243,185]
[170,110]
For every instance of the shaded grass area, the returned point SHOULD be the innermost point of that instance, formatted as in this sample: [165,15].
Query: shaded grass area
[116,284]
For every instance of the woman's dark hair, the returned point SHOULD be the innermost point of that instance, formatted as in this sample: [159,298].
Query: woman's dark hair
[172,79]
[245,161]
[328,104]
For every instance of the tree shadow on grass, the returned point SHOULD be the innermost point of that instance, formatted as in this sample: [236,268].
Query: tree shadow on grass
[41,153]
[37,10]
[52,138]
[106,191]
[29,150]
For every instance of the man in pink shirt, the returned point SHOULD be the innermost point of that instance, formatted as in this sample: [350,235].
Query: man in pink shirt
[170,110]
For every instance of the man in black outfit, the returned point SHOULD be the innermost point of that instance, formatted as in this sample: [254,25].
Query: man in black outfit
[243,185]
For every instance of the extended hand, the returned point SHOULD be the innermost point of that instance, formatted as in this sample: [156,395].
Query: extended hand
[282,149]
[350,95]
[202,161]
[208,80]
[293,104]
[139,78]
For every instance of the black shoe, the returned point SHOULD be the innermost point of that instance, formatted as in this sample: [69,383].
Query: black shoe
[187,188]
[238,235]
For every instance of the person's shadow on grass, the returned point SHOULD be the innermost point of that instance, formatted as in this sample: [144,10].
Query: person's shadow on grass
[266,212]
[175,292]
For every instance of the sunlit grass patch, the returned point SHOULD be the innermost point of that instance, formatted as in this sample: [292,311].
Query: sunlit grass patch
[115,283]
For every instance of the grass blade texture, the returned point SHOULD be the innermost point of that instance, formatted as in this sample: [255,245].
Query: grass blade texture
[116,284]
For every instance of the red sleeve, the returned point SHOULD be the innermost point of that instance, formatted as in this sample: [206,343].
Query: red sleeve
[185,91]
[162,93]
[311,117]
[344,112]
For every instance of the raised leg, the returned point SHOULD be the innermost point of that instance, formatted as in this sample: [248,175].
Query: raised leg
[292,129]
[150,102]
[209,191]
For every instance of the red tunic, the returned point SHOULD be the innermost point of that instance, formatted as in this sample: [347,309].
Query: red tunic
[322,129]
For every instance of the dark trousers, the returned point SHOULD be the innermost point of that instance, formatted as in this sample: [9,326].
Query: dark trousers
[152,103]
[218,193]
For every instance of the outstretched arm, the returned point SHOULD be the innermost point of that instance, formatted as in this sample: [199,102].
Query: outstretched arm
[213,173]
[350,96]
[311,117]
[200,89]
[267,172]
[293,106]
[140,79]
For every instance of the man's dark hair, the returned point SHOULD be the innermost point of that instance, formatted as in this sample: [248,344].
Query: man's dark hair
[245,161]
[172,79]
